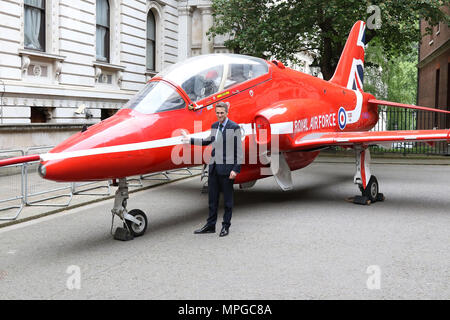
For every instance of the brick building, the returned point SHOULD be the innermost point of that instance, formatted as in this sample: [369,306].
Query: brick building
[434,71]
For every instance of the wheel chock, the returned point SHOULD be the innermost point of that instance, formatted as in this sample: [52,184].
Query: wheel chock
[362,200]
[123,234]
[380,197]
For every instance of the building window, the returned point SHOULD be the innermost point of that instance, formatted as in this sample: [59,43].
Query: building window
[34,24]
[106,113]
[436,98]
[151,41]
[448,95]
[40,114]
[102,35]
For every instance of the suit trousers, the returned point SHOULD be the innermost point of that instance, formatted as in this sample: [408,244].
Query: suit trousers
[216,184]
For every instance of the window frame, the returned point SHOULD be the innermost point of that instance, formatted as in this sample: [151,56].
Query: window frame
[150,12]
[42,32]
[107,40]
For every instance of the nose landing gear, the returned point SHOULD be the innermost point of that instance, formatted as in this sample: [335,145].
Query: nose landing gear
[134,222]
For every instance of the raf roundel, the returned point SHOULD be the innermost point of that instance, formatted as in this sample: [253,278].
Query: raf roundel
[342,116]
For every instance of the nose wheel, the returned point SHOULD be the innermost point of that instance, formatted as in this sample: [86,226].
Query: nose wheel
[134,222]
[137,229]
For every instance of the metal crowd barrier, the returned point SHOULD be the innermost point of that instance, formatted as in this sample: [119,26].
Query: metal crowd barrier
[36,186]
[151,176]
[8,178]
[20,182]
[166,174]
[139,183]
[189,172]
[76,188]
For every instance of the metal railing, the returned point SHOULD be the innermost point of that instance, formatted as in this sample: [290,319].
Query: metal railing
[407,119]
[12,192]
[166,175]
[78,188]
[21,184]
[36,186]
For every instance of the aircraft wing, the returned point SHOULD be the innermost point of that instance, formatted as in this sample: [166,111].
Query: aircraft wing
[407,106]
[367,138]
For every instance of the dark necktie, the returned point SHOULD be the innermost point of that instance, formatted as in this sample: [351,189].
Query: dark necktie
[220,127]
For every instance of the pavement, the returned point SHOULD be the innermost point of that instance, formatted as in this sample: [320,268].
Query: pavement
[307,243]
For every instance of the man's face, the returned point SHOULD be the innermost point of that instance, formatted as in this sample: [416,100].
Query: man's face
[221,114]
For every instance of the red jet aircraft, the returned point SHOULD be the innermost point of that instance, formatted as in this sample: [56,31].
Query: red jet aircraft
[286,118]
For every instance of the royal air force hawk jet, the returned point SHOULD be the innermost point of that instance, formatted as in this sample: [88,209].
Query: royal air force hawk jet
[273,104]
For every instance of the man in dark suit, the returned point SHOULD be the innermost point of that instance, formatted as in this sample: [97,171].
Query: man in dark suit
[225,164]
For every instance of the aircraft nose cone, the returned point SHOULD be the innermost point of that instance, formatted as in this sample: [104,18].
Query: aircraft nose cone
[42,170]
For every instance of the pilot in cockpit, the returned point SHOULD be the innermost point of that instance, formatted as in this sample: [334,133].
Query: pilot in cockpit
[199,86]
[211,86]
[193,87]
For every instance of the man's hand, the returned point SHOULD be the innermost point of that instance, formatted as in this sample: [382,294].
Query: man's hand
[233,175]
[185,139]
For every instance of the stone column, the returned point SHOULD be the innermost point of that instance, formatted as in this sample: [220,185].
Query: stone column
[207,23]
[184,32]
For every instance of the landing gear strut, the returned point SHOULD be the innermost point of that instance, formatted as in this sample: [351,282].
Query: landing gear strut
[134,222]
[367,183]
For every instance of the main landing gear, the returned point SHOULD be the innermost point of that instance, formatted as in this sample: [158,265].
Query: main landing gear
[134,222]
[367,183]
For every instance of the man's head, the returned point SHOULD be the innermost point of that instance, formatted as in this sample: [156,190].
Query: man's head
[221,111]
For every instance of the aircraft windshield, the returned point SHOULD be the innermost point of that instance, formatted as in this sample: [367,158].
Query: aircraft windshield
[205,75]
[156,96]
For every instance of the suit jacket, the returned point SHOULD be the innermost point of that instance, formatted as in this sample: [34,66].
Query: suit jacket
[226,155]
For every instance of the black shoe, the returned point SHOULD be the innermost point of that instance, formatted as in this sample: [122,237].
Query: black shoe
[206,229]
[224,232]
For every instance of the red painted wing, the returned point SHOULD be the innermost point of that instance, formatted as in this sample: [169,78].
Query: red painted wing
[407,106]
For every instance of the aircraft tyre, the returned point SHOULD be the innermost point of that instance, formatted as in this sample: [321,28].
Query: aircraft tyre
[135,229]
[371,191]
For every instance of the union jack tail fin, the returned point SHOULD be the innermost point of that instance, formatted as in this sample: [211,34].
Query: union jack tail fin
[350,70]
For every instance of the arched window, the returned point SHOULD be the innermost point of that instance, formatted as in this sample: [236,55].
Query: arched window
[102,33]
[151,41]
[34,24]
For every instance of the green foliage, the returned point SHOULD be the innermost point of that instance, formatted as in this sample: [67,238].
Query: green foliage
[393,79]
[274,28]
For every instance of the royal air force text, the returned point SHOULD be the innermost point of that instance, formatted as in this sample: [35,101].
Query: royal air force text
[315,123]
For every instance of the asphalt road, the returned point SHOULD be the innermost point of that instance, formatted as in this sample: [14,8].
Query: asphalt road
[308,243]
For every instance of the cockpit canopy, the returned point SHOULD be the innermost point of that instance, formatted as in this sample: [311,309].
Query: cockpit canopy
[199,77]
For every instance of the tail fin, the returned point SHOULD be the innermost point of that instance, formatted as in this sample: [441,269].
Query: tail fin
[350,70]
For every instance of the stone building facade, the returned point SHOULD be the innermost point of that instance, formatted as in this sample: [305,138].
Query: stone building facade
[67,63]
